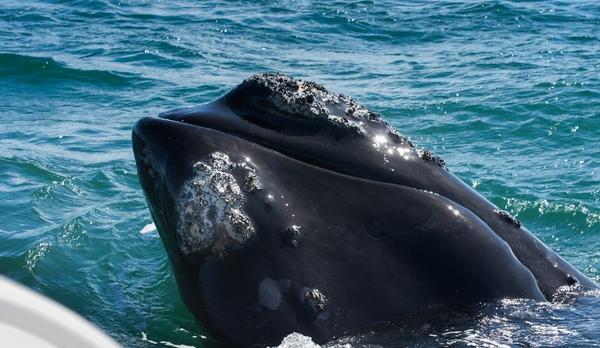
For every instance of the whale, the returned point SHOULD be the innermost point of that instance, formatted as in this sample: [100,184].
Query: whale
[284,207]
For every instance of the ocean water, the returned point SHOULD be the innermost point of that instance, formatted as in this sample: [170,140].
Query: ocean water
[508,93]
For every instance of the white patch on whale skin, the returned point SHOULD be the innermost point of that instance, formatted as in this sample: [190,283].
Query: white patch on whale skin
[209,207]
[269,295]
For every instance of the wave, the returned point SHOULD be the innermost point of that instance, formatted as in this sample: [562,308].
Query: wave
[577,215]
[41,69]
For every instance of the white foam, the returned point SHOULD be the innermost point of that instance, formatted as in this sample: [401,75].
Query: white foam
[296,340]
[149,228]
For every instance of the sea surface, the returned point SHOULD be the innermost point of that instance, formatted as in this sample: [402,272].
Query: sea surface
[508,93]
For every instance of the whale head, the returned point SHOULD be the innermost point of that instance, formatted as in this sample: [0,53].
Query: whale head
[285,208]
[183,170]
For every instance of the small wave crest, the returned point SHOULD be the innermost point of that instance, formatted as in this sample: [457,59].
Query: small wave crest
[576,212]
[40,69]
[35,254]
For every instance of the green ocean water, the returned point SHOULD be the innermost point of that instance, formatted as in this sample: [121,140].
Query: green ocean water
[507,93]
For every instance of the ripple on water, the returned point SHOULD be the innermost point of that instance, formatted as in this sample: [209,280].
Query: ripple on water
[505,323]
[73,232]
[35,254]
[37,69]
[580,217]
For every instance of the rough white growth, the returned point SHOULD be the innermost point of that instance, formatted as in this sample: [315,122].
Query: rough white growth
[209,207]
[308,100]
[251,180]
